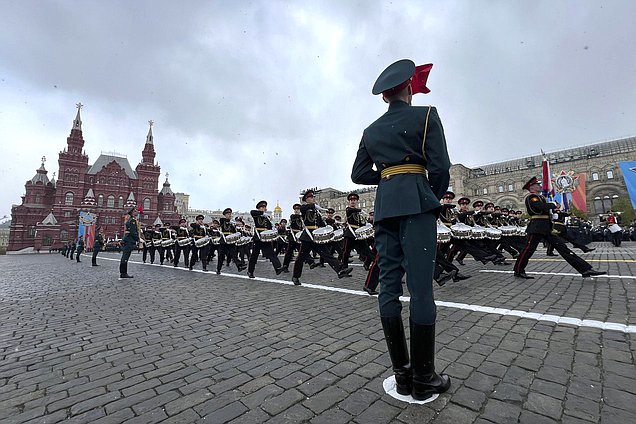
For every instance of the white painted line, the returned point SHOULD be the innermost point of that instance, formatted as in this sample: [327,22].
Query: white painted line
[476,308]
[565,274]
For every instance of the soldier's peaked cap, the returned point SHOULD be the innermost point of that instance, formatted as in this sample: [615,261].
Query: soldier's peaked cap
[227,210]
[261,203]
[532,181]
[394,75]
[353,196]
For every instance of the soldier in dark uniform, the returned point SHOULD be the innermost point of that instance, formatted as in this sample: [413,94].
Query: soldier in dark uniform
[312,221]
[262,223]
[183,233]
[156,243]
[198,231]
[295,227]
[98,245]
[147,244]
[408,148]
[166,235]
[73,246]
[128,243]
[281,241]
[540,228]
[227,250]
[355,221]
[80,247]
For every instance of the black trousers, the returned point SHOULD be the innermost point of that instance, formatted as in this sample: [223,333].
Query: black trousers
[228,251]
[151,250]
[559,245]
[268,251]
[96,250]
[79,252]
[373,277]
[306,247]
[186,254]
[442,264]
[200,253]
[361,247]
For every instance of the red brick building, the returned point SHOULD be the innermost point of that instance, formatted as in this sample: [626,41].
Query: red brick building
[48,215]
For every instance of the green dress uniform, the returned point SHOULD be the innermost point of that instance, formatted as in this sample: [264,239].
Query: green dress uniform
[408,148]
[129,243]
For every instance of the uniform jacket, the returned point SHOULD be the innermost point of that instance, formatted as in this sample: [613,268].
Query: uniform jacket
[261,222]
[538,206]
[131,235]
[396,138]
[99,241]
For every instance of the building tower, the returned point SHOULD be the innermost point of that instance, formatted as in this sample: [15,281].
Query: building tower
[148,177]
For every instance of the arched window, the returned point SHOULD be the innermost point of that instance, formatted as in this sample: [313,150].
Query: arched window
[610,174]
[594,176]
[485,190]
[511,187]
[63,235]
[120,203]
[146,204]
[47,240]
[38,198]
[111,201]
[100,200]
[68,200]
[501,188]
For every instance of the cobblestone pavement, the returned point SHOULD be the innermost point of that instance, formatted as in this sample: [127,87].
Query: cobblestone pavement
[77,345]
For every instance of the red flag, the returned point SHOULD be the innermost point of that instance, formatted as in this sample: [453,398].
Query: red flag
[418,82]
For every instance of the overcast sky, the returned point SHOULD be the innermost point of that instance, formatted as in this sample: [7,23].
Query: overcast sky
[260,99]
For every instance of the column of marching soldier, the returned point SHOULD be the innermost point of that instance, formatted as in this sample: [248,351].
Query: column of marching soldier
[485,232]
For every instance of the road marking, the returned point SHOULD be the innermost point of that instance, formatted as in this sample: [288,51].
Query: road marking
[565,274]
[454,305]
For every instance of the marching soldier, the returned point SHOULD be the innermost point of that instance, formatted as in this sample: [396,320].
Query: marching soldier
[262,223]
[183,233]
[540,228]
[408,148]
[129,242]
[73,246]
[312,221]
[80,247]
[227,250]
[295,227]
[147,245]
[198,231]
[559,228]
[98,245]
[355,221]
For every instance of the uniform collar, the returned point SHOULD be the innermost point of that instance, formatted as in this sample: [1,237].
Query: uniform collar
[398,104]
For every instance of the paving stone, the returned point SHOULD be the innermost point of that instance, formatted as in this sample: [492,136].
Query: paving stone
[224,414]
[544,405]
[278,404]
[469,398]
[379,412]
[501,412]
[325,399]
[455,414]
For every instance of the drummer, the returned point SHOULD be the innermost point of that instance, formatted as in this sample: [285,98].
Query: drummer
[463,246]
[312,220]
[354,222]
[228,250]
[262,224]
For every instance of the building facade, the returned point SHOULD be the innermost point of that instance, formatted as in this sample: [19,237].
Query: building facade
[48,215]
[502,182]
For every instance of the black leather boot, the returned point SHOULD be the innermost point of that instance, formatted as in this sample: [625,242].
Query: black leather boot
[399,353]
[426,382]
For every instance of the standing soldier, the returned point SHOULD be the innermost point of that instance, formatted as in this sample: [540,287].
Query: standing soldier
[98,244]
[73,245]
[80,247]
[129,242]
[408,148]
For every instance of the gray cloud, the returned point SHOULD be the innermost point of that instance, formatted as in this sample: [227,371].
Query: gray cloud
[261,99]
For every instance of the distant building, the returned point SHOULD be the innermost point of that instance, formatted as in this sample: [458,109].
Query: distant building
[5,228]
[48,214]
[181,202]
[502,182]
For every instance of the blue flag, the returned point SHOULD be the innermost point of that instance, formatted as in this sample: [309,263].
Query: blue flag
[629,174]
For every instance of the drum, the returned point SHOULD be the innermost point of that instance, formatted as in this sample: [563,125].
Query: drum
[268,235]
[167,243]
[243,241]
[461,231]
[232,238]
[443,233]
[323,235]
[203,241]
[216,240]
[338,235]
[614,228]
[478,233]
[184,241]
[493,233]
[156,242]
[365,232]
[508,230]
[521,231]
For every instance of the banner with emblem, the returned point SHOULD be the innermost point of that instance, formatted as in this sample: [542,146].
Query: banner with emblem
[86,228]
[629,175]
[570,188]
